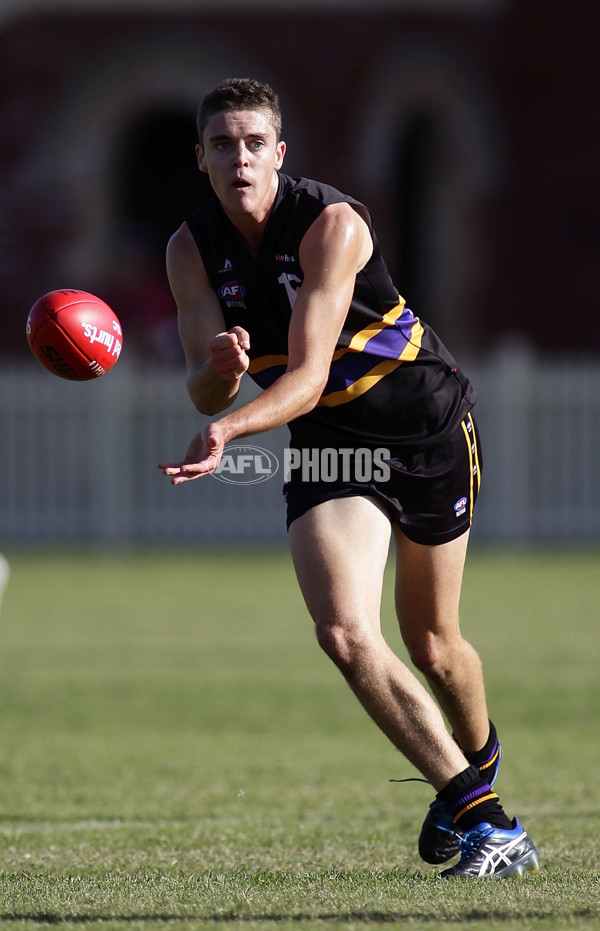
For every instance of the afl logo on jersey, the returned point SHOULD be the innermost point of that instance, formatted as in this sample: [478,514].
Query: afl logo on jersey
[461,506]
[232,290]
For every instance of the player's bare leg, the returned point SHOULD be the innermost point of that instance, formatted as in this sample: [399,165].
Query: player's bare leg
[340,549]
[428,586]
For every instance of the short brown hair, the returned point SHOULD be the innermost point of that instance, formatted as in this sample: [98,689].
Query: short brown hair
[239,94]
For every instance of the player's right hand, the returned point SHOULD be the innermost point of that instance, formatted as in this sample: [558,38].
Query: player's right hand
[203,456]
[228,353]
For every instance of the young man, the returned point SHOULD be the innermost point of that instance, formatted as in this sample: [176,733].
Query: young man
[283,278]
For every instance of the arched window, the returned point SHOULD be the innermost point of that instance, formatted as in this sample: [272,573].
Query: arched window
[432,162]
[156,179]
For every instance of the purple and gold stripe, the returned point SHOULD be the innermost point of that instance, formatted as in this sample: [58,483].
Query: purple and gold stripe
[372,353]
[491,761]
[471,800]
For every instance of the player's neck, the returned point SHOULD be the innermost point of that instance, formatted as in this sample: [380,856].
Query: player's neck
[251,224]
[250,230]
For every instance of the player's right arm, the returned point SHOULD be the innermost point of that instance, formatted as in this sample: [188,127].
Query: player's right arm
[215,358]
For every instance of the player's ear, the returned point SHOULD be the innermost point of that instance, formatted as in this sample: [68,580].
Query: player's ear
[281,147]
[200,158]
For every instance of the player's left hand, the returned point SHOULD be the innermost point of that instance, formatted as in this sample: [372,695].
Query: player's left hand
[203,456]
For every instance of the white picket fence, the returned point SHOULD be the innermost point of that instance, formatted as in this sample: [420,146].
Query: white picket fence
[78,462]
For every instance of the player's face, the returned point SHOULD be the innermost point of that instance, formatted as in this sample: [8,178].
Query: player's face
[241,155]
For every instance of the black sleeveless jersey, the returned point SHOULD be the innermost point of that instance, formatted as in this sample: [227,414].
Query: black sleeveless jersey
[391,380]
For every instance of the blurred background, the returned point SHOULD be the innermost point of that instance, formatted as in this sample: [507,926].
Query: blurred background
[469,127]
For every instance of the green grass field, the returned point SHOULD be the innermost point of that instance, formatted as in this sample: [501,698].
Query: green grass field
[175,750]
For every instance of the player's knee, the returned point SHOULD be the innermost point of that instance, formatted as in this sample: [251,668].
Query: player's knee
[430,655]
[340,643]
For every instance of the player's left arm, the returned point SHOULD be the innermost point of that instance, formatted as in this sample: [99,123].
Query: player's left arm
[334,249]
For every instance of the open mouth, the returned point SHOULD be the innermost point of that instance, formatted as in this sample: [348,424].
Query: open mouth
[240,185]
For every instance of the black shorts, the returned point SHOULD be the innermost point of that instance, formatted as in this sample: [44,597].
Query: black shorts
[430,494]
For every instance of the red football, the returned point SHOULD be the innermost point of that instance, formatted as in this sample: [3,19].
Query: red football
[74,334]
